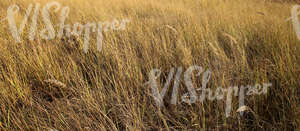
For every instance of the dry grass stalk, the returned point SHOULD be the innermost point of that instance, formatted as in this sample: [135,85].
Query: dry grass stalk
[231,38]
[55,83]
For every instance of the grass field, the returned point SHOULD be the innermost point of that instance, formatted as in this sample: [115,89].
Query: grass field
[53,84]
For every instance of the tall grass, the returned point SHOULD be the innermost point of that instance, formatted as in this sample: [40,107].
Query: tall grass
[46,85]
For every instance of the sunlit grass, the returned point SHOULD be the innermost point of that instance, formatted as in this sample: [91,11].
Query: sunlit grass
[243,42]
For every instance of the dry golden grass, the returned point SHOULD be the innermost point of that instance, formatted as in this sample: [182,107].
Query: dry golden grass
[53,85]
